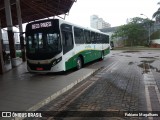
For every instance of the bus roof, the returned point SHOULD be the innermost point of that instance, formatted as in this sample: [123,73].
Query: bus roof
[66,22]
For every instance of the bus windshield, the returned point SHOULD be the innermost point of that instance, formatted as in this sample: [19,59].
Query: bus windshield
[46,44]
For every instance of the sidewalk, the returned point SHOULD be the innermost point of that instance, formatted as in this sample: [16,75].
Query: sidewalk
[21,91]
[8,66]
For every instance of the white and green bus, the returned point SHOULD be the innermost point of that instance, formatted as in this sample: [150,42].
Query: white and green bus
[55,45]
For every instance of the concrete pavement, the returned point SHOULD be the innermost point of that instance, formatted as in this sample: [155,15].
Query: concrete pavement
[21,91]
[129,88]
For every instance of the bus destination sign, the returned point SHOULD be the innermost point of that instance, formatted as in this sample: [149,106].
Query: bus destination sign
[41,25]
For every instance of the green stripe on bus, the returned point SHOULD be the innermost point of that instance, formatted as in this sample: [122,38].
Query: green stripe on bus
[88,56]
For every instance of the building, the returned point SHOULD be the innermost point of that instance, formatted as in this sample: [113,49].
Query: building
[98,23]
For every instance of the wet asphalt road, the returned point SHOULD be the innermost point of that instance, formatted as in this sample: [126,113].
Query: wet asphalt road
[126,89]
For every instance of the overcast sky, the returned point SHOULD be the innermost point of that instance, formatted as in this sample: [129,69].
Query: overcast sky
[114,12]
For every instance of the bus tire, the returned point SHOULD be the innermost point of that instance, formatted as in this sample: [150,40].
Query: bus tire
[79,63]
[102,55]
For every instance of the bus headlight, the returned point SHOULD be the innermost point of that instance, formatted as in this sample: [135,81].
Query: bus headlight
[54,63]
[58,60]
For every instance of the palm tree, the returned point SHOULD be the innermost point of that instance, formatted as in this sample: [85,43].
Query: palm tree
[156,15]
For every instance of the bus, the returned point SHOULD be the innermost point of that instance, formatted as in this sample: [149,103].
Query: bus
[54,45]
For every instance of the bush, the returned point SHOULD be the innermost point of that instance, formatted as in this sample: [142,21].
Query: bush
[18,54]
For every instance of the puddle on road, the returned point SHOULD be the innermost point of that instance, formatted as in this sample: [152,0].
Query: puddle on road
[154,68]
[130,51]
[147,61]
[130,63]
[146,66]
[128,56]
[148,57]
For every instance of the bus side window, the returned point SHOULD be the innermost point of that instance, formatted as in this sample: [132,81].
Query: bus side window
[87,37]
[105,39]
[67,38]
[79,36]
[100,39]
[93,39]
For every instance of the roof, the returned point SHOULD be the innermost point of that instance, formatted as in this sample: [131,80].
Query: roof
[35,9]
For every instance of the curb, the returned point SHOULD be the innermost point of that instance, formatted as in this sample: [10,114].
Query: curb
[60,92]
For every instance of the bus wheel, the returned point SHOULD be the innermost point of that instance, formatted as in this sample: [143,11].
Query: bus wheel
[79,63]
[102,55]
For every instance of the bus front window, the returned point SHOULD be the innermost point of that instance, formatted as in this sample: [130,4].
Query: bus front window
[53,41]
[47,44]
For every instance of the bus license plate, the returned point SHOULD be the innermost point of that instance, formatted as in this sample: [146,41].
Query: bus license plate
[39,68]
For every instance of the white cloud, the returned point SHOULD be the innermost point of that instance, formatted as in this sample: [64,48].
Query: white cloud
[113,11]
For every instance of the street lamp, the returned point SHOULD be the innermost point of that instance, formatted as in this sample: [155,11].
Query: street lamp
[149,29]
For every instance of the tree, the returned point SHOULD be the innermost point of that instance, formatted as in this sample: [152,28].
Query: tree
[157,14]
[133,32]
